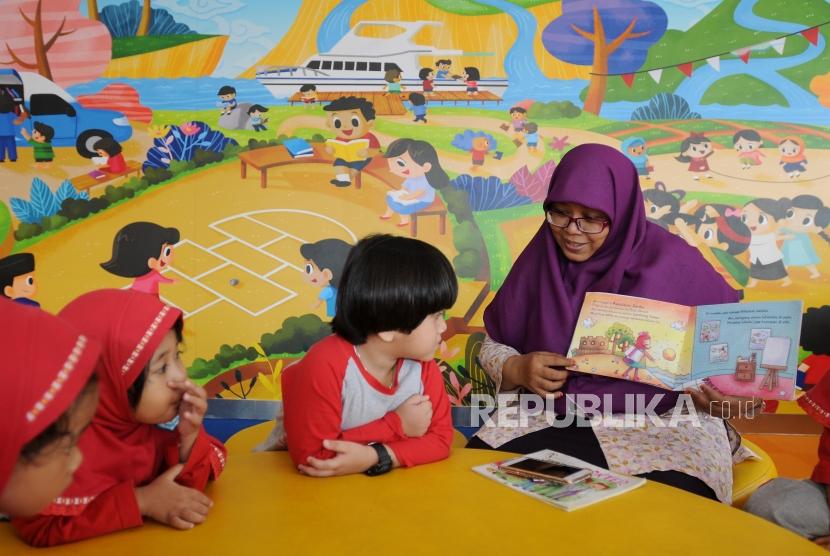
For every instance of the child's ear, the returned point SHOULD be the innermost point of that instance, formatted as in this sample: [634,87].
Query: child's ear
[387,335]
[427,166]
[328,274]
[8,291]
[152,263]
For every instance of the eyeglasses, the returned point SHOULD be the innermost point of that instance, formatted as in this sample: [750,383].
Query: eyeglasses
[586,225]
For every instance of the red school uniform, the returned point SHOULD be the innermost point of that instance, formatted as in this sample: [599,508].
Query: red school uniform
[816,402]
[120,453]
[330,395]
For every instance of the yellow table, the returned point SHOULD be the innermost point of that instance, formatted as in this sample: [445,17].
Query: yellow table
[263,506]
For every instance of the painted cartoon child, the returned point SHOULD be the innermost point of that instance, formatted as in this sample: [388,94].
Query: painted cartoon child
[748,144]
[393,78]
[662,206]
[695,149]
[427,77]
[41,142]
[443,69]
[17,278]
[635,150]
[481,145]
[532,136]
[142,250]
[762,217]
[793,159]
[8,120]
[416,162]
[308,93]
[350,118]
[636,355]
[471,77]
[227,97]
[805,215]
[110,156]
[418,106]
[518,117]
[324,262]
[257,120]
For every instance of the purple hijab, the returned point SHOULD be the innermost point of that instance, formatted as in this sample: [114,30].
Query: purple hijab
[537,306]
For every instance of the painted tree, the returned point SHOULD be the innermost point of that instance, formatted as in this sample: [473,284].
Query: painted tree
[146,20]
[612,36]
[92,10]
[41,45]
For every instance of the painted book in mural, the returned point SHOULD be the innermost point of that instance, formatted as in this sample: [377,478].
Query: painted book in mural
[601,485]
[350,151]
[740,349]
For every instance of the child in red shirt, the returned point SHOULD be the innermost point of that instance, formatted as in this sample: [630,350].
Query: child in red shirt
[146,452]
[370,397]
[48,397]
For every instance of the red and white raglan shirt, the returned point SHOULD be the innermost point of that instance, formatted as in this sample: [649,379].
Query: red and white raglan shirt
[329,395]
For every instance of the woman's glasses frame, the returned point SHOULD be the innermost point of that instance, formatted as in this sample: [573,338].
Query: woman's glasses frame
[565,221]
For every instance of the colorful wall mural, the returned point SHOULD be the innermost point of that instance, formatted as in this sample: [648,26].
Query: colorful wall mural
[226,153]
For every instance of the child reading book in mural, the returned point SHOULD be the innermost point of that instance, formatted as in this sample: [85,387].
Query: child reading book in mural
[17,278]
[393,78]
[324,261]
[418,106]
[477,143]
[805,216]
[41,142]
[227,98]
[350,118]
[793,159]
[146,453]
[48,398]
[110,158]
[748,144]
[427,77]
[635,150]
[308,93]
[417,162]
[370,397]
[695,149]
[764,217]
[142,250]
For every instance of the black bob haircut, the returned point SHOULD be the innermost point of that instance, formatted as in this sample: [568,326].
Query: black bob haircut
[137,387]
[472,73]
[417,99]
[47,131]
[255,107]
[352,103]
[308,87]
[13,266]
[391,283]
[424,73]
[328,254]
[226,90]
[108,145]
[134,244]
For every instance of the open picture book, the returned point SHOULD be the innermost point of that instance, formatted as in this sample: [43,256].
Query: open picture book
[350,151]
[741,349]
[601,485]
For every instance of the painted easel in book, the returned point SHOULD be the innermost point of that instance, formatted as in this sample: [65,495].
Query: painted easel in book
[774,360]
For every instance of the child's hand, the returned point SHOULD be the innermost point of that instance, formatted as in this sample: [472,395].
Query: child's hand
[351,458]
[363,153]
[171,503]
[416,415]
[192,408]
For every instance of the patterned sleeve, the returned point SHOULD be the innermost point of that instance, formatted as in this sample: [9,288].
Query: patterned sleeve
[492,357]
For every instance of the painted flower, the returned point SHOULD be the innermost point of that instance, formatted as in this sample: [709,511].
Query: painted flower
[158,131]
[559,144]
[189,128]
[460,392]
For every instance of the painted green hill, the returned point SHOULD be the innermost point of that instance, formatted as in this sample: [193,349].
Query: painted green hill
[470,7]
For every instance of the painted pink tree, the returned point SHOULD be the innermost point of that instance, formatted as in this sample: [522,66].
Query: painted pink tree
[612,36]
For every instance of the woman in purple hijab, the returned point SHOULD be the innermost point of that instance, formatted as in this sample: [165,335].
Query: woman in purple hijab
[595,237]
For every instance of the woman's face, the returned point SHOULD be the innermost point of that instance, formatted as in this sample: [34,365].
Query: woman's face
[576,245]
[404,167]
[159,402]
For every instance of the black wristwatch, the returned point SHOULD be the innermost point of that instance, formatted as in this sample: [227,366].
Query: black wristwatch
[384,464]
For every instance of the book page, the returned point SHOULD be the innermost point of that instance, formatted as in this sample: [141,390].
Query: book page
[748,349]
[633,338]
[348,150]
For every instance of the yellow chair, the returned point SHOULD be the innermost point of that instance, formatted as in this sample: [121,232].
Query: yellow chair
[748,475]
[246,439]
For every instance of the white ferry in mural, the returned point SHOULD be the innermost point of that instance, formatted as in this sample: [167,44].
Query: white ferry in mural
[358,63]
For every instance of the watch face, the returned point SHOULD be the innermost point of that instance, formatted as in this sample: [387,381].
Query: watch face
[384,464]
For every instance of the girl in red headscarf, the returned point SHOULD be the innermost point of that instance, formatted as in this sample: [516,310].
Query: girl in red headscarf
[47,399]
[134,467]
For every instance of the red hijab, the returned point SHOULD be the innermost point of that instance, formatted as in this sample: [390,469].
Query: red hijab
[46,363]
[130,326]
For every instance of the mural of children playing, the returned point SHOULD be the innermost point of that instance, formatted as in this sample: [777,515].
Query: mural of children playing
[227,98]
[110,158]
[471,77]
[636,355]
[8,120]
[477,143]
[805,216]
[141,250]
[532,136]
[635,150]
[41,142]
[416,162]
[695,149]
[350,118]
[308,93]
[748,144]
[324,262]
[393,78]
[255,114]
[17,278]
[427,77]
[418,106]
[793,158]
[762,217]
[443,69]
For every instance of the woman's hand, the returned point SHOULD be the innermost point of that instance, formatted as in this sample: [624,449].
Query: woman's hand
[535,372]
[171,503]
[351,457]
[710,401]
